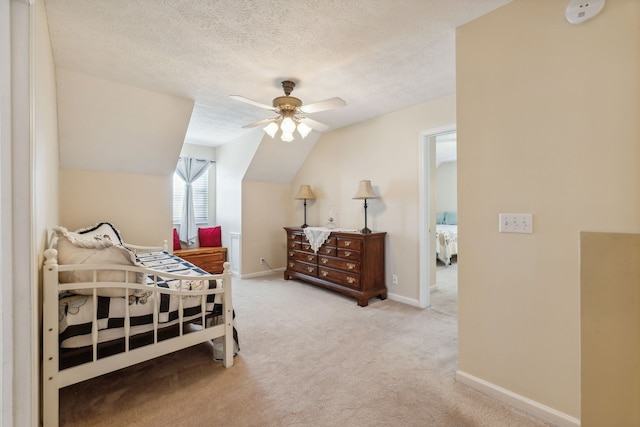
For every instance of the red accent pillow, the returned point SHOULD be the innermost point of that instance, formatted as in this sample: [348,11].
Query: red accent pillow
[176,241]
[210,236]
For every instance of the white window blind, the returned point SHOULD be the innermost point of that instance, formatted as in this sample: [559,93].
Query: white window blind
[200,190]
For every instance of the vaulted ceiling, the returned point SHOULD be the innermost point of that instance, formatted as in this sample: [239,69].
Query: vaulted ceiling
[377,55]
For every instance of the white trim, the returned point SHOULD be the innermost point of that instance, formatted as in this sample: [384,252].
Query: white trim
[6,271]
[35,324]
[424,250]
[261,273]
[409,301]
[525,404]
[235,249]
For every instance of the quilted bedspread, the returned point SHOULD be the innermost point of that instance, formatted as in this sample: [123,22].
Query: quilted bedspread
[75,312]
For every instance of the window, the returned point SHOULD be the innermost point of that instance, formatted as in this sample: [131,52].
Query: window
[200,189]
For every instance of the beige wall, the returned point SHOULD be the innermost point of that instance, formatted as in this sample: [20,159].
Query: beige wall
[447,187]
[265,206]
[610,329]
[384,150]
[111,126]
[233,160]
[547,124]
[139,206]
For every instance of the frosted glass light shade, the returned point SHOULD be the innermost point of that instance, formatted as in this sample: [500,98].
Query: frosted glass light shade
[303,130]
[287,137]
[288,125]
[271,129]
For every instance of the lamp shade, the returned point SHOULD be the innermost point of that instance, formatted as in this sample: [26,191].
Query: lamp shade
[365,191]
[305,193]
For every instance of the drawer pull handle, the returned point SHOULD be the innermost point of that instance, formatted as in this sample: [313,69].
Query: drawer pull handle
[347,253]
[310,269]
[324,260]
[293,236]
[291,264]
[293,245]
[351,280]
[309,257]
[327,251]
[324,273]
[291,254]
[347,242]
[351,266]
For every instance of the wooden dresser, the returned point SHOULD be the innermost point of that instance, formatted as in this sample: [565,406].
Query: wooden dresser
[349,263]
[210,260]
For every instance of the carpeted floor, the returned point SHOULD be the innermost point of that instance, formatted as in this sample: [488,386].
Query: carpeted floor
[309,357]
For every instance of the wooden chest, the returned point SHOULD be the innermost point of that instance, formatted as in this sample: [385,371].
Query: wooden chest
[349,263]
[210,260]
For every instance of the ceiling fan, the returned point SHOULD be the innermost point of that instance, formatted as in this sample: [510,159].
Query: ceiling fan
[291,113]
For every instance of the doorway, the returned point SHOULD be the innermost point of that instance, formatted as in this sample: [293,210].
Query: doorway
[428,198]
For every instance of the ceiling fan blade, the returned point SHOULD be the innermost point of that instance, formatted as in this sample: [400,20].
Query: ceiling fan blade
[327,104]
[260,122]
[252,102]
[313,124]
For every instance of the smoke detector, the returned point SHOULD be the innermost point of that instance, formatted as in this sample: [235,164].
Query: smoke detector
[579,11]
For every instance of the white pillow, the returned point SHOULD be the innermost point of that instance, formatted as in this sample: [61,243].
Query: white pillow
[102,230]
[75,248]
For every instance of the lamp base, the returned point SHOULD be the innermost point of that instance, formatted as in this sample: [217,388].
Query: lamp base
[304,225]
[365,230]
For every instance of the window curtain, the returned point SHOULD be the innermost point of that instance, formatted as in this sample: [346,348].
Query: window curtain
[189,170]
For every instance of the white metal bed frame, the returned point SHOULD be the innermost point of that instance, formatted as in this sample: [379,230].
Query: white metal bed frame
[54,379]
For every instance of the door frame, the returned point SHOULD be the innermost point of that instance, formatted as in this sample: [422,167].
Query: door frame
[426,209]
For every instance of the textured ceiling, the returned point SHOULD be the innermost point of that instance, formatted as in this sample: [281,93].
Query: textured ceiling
[377,55]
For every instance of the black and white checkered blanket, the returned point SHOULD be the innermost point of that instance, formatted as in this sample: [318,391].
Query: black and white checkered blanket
[75,312]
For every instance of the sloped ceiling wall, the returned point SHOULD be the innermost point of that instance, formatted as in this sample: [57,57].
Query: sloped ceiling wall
[107,126]
[276,160]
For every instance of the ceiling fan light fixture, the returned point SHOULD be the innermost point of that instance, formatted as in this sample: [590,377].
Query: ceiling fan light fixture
[287,136]
[303,130]
[288,125]
[271,129]
[291,112]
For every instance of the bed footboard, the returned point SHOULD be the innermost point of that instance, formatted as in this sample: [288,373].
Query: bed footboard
[55,378]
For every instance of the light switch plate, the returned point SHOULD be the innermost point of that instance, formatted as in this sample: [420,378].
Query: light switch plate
[515,223]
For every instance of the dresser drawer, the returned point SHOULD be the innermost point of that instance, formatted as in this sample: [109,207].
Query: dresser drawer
[346,243]
[306,246]
[304,268]
[340,277]
[327,250]
[292,244]
[348,254]
[340,264]
[292,236]
[304,256]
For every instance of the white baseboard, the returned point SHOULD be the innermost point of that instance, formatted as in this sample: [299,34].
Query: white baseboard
[260,273]
[529,406]
[404,300]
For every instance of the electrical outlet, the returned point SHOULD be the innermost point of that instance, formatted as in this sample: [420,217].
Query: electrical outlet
[515,223]
[578,11]
[394,279]
[262,261]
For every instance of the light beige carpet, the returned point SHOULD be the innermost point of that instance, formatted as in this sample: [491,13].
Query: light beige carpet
[309,357]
